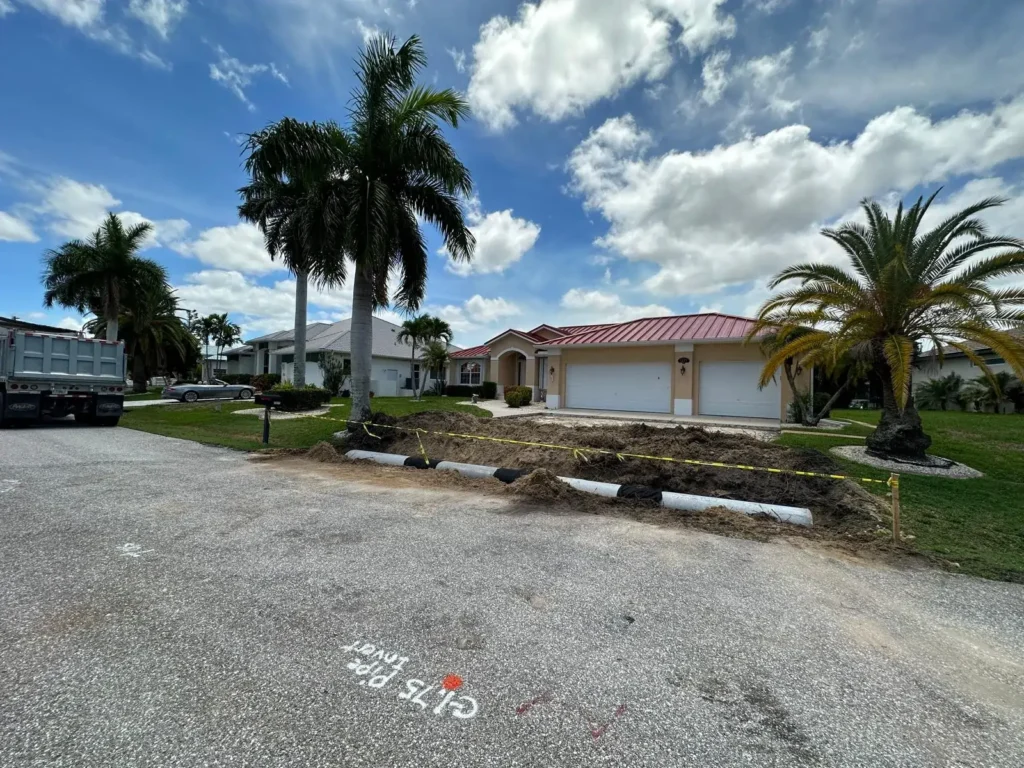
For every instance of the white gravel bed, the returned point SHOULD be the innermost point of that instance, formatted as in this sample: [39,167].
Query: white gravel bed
[283,415]
[955,471]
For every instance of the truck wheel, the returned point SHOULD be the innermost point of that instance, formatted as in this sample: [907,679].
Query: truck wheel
[245,394]
[190,397]
[1,410]
[85,418]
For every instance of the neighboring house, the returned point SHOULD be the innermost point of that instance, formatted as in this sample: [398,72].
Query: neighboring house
[392,372]
[955,361]
[15,324]
[684,365]
[263,359]
[239,360]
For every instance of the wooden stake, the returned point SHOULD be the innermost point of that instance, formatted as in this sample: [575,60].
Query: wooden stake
[894,485]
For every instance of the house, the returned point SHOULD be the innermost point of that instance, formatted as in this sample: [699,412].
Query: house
[687,365]
[392,371]
[954,361]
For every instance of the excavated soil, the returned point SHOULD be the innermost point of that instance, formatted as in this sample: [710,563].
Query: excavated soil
[842,506]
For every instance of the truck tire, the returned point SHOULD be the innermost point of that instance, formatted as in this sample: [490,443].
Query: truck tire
[85,418]
[1,410]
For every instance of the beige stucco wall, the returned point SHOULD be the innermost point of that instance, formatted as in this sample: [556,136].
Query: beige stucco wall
[510,342]
[455,367]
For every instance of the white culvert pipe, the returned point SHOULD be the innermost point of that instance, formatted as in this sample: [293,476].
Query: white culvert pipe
[381,458]
[690,503]
[469,470]
[589,486]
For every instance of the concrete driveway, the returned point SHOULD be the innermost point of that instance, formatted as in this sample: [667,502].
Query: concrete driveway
[168,604]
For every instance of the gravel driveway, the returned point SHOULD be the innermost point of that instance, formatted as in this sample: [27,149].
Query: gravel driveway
[169,604]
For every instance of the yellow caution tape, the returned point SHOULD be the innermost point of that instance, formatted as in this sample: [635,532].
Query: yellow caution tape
[580,453]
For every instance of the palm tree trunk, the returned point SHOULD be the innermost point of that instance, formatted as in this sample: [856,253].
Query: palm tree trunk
[301,292]
[899,433]
[815,418]
[111,310]
[362,342]
[140,378]
[799,409]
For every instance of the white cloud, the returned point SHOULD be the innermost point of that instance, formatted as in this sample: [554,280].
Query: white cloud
[367,31]
[236,76]
[239,248]
[818,39]
[5,8]
[599,307]
[161,15]
[501,241]
[73,209]
[459,58]
[737,213]
[768,6]
[559,56]
[489,310]
[16,230]
[714,76]
[87,16]
[769,78]
[477,318]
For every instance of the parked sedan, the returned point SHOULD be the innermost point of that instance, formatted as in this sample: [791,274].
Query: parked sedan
[209,390]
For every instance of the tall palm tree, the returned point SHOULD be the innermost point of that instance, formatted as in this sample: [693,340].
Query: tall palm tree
[993,391]
[414,332]
[155,338]
[906,286]
[295,196]
[204,328]
[224,334]
[435,330]
[100,273]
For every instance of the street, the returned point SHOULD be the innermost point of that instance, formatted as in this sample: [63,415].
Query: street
[170,604]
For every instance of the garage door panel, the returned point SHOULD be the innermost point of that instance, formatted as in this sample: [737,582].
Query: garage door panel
[730,389]
[620,387]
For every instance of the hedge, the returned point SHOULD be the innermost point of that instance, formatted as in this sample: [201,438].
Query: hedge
[489,390]
[237,378]
[461,390]
[265,381]
[307,399]
[518,396]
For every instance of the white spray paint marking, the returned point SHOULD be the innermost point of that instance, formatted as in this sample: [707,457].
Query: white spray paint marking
[134,550]
[377,668]
[6,486]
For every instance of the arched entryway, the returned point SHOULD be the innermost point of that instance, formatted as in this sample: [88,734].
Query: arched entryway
[513,368]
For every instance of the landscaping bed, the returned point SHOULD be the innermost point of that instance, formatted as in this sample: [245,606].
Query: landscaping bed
[841,505]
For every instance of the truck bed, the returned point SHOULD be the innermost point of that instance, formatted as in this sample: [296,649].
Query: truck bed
[27,355]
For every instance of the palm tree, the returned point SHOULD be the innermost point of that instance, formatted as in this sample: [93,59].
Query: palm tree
[906,286]
[993,391]
[99,274]
[225,334]
[156,339]
[939,394]
[414,331]
[435,330]
[295,198]
[436,358]
[204,328]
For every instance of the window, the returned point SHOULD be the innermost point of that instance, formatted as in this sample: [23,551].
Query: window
[469,373]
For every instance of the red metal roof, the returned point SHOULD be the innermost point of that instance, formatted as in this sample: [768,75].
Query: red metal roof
[701,327]
[482,351]
[572,330]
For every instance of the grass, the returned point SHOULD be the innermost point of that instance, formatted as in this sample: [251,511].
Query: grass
[976,523]
[153,393]
[216,424]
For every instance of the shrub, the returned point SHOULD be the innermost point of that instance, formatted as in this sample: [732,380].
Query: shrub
[462,390]
[283,386]
[820,401]
[333,369]
[489,390]
[307,399]
[237,378]
[518,396]
[265,381]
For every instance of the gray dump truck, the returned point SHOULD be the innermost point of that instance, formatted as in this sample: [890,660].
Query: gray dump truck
[59,374]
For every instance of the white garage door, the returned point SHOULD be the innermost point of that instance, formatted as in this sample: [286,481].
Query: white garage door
[622,387]
[730,389]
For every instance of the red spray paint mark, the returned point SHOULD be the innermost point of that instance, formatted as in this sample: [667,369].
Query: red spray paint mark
[600,731]
[452,683]
[526,706]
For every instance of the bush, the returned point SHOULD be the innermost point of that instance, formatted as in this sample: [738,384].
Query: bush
[462,390]
[489,390]
[307,399]
[332,367]
[265,381]
[820,401]
[518,396]
[237,378]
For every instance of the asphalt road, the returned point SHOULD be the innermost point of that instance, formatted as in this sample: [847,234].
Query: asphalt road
[167,604]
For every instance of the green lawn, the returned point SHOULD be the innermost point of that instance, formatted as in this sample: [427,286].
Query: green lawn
[216,424]
[152,394]
[976,523]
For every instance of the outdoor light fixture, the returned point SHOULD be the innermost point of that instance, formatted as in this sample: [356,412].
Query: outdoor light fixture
[682,364]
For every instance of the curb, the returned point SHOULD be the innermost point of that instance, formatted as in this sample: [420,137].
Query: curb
[682,501]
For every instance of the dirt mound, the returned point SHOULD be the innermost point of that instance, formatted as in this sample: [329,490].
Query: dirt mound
[840,504]
[375,436]
[323,452]
[542,485]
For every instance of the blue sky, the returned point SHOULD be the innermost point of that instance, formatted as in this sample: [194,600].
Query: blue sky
[631,157]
